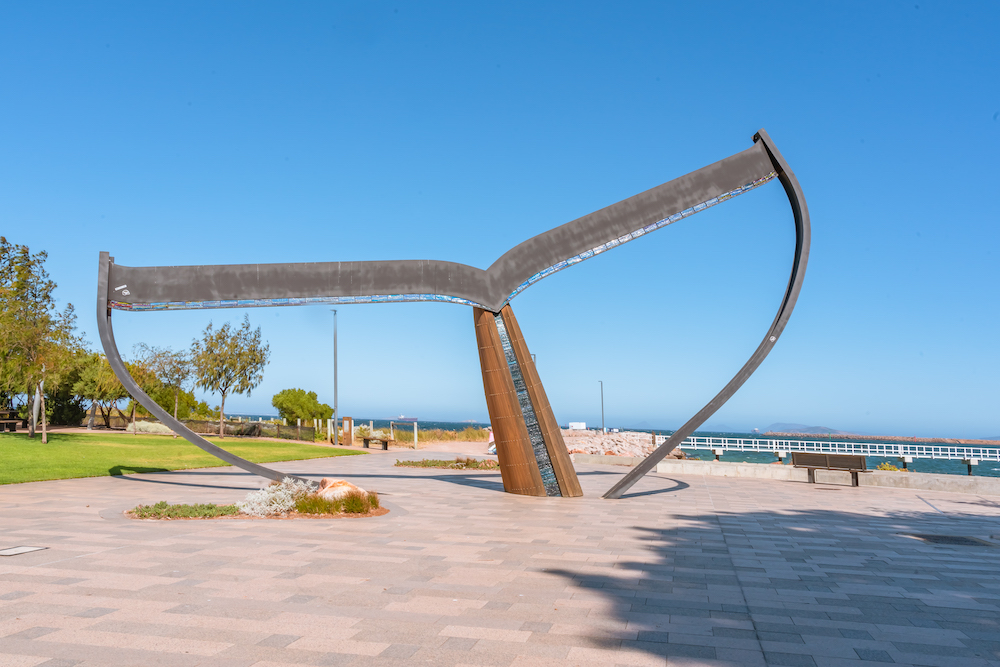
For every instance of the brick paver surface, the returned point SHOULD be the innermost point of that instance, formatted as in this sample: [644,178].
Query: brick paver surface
[686,570]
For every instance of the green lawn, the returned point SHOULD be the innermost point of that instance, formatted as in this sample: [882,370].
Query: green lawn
[68,455]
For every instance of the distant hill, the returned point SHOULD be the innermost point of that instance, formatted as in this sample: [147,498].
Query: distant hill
[781,427]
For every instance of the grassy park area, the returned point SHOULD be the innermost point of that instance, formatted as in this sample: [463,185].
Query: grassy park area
[69,455]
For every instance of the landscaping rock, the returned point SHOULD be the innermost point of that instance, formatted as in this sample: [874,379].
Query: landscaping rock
[335,489]
[625,443]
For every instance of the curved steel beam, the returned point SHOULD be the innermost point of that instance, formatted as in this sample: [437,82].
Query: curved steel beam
[118,366]
[802,238]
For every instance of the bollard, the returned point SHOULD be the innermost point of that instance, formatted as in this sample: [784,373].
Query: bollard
[415,435]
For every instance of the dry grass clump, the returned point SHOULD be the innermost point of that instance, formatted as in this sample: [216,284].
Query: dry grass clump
[458,464]
[360,502]
[469,434]
[314,504]
[355,502]
[164,510]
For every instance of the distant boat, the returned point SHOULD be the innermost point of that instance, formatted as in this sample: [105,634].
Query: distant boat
[401,418]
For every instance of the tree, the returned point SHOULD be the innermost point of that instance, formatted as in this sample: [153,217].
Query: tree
[37,342]
[173,369]
[298,404]
[98,383]
[229,360]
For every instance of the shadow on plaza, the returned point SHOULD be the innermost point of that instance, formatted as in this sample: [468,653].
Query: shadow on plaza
[728,576]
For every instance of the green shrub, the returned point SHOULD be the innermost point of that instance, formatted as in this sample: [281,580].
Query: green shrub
[373,500]
[315,504]
[887,466]
[356,502]
[163,510]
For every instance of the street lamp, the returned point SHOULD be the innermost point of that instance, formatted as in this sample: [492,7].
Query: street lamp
[336,429]
[603,430]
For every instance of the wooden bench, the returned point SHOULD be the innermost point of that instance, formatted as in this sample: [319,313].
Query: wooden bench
[9,425]
[852,463]
[366,442]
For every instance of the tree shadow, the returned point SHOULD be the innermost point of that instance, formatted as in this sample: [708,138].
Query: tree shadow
[778,587]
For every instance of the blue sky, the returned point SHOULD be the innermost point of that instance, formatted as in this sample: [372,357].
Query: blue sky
[193,133]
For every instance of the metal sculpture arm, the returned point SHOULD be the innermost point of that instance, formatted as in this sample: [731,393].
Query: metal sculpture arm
[132,387]
[802,237]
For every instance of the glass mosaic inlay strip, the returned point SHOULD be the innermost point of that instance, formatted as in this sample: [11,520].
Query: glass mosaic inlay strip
[297,301]
[528,412]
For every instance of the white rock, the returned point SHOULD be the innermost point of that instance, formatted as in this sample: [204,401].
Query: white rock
[335,489]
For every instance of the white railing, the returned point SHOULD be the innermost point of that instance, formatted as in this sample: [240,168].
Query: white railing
[893,450]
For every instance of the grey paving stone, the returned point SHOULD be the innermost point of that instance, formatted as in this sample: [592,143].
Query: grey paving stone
[95,612]
[278,641]
[14,595]
[782,637]
[789,659]
[497,605]
[535,626]
[459,644]
[401,651]
[873,655]
[670,649]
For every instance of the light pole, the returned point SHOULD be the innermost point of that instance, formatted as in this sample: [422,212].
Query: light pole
[603,430]
[336,429]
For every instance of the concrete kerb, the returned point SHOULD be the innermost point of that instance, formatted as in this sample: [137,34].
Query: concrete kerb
[984,486]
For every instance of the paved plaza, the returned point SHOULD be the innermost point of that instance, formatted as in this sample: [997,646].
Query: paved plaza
[684,570]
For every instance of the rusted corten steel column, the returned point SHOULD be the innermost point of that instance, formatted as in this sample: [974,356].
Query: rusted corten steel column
[533,457]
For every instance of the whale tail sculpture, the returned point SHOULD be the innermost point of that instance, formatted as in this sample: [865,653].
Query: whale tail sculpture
[533,458]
